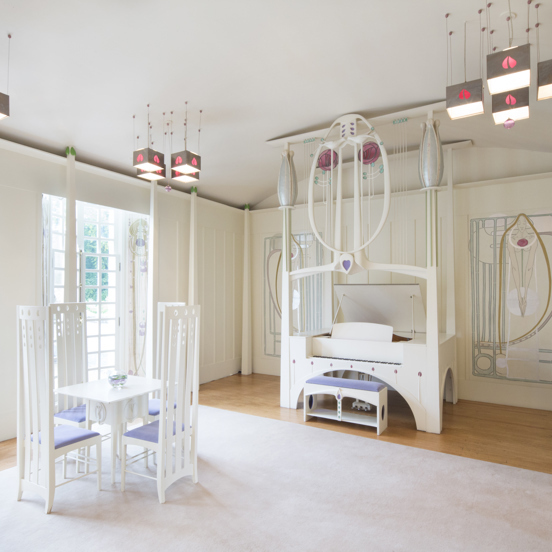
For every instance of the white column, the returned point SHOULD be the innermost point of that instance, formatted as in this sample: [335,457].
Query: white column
[430,373]
[192,270]
[287,313]
[153,266]
[246,365]
[70,287]
[451,305]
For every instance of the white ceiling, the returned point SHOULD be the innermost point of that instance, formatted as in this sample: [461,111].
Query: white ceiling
[258,69]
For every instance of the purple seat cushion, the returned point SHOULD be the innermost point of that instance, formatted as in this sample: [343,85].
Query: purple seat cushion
[76,414]
[345,383]
[148,432]
[65,435]
[155,407]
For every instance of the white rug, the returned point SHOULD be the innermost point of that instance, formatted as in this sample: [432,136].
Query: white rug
[267,485]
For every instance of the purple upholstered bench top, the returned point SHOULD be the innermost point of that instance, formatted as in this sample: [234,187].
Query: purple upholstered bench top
[347,383]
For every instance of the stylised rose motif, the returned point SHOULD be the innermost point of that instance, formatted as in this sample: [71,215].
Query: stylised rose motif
[509,62]
[140,158]
[178,160]
[523,242]
[194,162]
[464,94]
[510,100]
[156,158]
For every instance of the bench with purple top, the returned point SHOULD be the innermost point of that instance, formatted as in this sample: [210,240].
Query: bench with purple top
[369,391]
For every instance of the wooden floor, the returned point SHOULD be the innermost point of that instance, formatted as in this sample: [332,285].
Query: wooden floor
[519,437]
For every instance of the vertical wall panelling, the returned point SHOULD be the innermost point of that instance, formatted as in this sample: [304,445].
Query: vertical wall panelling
[246,326]
[450,310]
[220,288]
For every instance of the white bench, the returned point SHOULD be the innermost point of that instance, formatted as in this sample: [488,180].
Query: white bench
[369,391]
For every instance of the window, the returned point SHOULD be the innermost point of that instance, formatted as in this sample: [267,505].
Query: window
[101,248]
[112,272]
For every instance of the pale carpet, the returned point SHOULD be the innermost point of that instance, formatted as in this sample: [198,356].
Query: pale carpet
[267,485]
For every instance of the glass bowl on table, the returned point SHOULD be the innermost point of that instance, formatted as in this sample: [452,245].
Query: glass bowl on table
[117,379]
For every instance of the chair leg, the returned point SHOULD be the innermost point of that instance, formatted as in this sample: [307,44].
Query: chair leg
[160,484]
[98,463]
[146,421]
[51,485]
[123,466]
[87,469]
[65,466]
[195,477]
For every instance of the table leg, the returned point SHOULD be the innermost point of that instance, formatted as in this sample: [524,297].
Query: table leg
[114,441]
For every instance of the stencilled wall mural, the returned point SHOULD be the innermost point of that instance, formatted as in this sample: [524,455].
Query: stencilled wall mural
[306,303]
[511,287]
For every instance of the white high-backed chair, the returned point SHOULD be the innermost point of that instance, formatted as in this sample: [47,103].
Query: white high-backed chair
[68,337]
[173,438]
[154,406]
[39,443]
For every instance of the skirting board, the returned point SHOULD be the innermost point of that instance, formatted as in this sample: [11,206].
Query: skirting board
[526,396]
[269,366]
[219,370]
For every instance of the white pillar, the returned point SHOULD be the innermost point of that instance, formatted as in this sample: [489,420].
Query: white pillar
[430,373]
[287,313]
[192,270]
[451,306]
[246,365]
[70,287]
[153,265]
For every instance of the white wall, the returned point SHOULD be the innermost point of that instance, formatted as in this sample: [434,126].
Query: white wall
[510,196]
[25,174]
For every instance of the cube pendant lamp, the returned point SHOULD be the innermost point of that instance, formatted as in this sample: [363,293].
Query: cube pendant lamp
[511,105]
[186,162]
[465,99]
[151,175]
[147,159]
[509,70]
[4,106]
[186,178]
[544,69]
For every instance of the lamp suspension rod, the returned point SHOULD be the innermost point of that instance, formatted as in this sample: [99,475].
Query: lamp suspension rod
[465,72]
[8,77]
[538,33]
[134,131]
[510,25]
[199,132]
[448,52]
[528,30]
[186,126]
[148,135]
[481,45]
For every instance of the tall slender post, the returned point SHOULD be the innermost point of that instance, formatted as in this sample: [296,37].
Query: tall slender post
[246,365]
[432,331]
[153,263]
[192,288]
[287,313]
[451,305]
[70,287]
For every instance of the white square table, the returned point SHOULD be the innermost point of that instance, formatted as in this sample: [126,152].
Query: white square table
[106,405]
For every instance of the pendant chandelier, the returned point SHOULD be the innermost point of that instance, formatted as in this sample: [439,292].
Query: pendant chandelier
[150,163]
[187,162]
[508,75]
[4,98]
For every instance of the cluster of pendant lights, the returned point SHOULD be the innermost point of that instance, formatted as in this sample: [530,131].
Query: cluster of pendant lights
[508,79]
[185,164]
[4,98]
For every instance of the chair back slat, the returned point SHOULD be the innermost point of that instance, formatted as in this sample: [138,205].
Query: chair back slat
[179,367]
[35,391]
[68,348]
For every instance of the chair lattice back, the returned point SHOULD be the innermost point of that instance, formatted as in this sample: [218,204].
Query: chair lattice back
[68,348]
[35,393]
[157,365]
[179,361]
